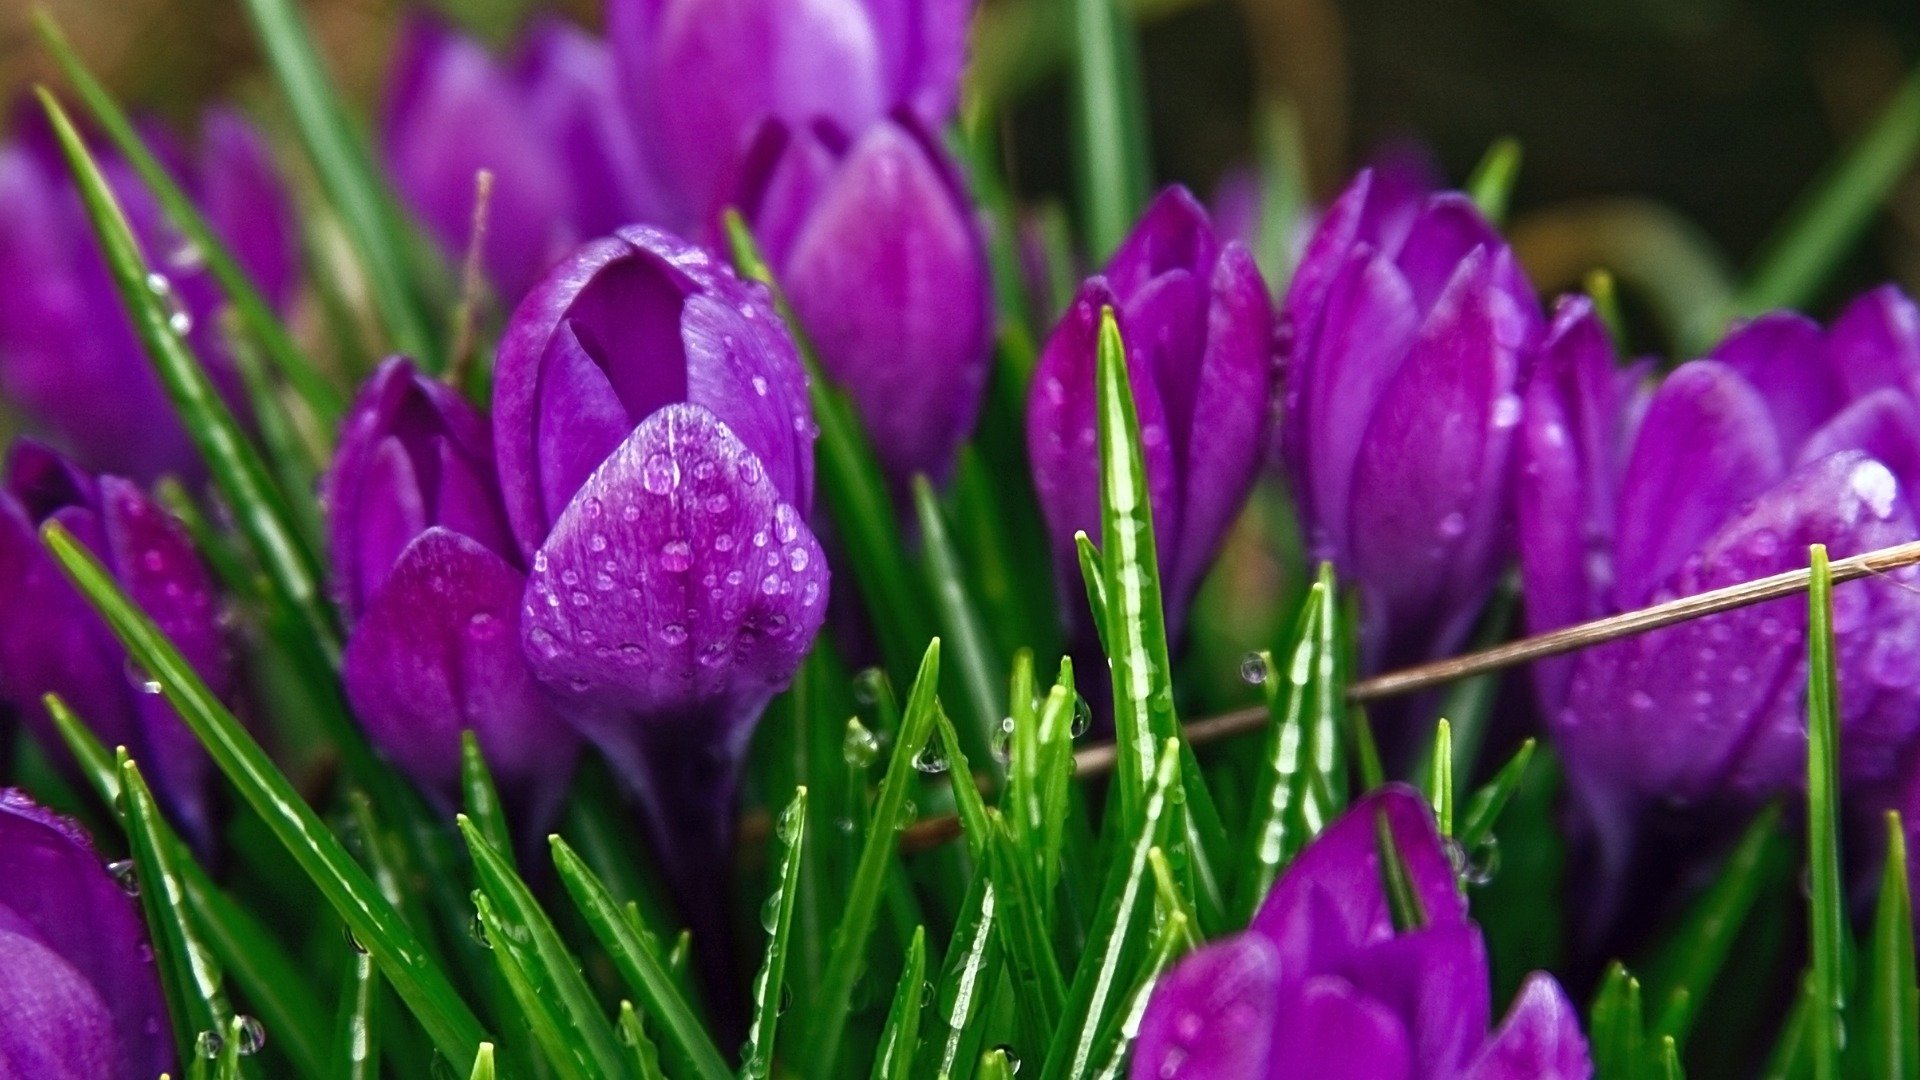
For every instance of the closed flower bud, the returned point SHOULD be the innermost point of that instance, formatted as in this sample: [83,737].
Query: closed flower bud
[1198,328]
[431,582]
[51,641]
[702,76]
[1409,325]
[546,122]
[69,360]
[1325,983]
[79,992]
[878,248]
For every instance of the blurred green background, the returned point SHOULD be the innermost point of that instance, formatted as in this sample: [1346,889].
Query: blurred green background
[1650,127]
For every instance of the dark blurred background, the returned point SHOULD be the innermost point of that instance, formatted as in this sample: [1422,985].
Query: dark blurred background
[1645,123]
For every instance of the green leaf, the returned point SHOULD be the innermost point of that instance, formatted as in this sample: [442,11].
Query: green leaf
[251,306]
[1827,908]
[633,1034]
[1484,808]
[640,967]
[482,1063]
[586,1046]
[1173,901]
[1670,1059]
[995,1066]
[1175,936]
[1440,776]
[1093,572]
[404,959]
[1109,128]
[770,985]
[1617,1028]
[196,996]
[346,171]
[1491,185]
[1024,939]
[900,1037]
[963,630]
[848,954]
[1891,1039]
[1110,961]
[970,974]
[356,1033]
[1807,249]
[481,799]
[1396,879]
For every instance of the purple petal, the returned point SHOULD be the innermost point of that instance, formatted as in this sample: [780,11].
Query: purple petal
[1446,230]
[1706,446]
[1329,1030]
[1325,257]
[1885,424]
[923,45]
[1780,354]
[1539,1040]
[890,278]
[57,1027]
[787,171]
[55,893]
[1875,344]
[1213,1016]
[1172,234]
[247,204]
[438,651]
[571,92]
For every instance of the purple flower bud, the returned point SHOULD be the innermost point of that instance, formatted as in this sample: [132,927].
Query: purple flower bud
[878,248]
[69,359]
[431,580]
[1409,324]
[629,324]
[1323,984]
[849,62]
[1784,437]
[547,123]
[1198,327]
[52,642]
[79,993]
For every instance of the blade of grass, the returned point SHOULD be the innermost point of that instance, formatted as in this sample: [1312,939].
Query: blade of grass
[1440,776]
[900,1037]
[1109,125]
[1093,572]
[1491,185]
[587,1047]
[770,985]
[640,967]
[633,1034]
[1892,1040]
[482,1063]
[1617,1027]
[962,628]
[1176,936]
[1024,937]
[968,977]
[994,1065]
[540,1015]
[481,799]
[1827,907]
[848,953]
[403,958]
[346,171]
[356,1033]
[1484,808]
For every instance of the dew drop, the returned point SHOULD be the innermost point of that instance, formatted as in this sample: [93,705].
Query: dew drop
[770,585]
[208,1044]
[252,1035]
[676,556]
[861,747]
[673,634]
[124,875]
[930,760]
[723,542]
[659,474]
[1453,526]
[1082,717]
[1253,669]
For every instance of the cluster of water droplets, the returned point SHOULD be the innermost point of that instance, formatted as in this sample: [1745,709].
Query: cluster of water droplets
[251,1035]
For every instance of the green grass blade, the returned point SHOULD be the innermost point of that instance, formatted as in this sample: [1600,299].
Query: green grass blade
[1808,247]
[968,804]
[1093,572]
[848,953]
[403,958]
[249,304]
[1173,901]
[1892,1041]
[295,466]
[538,1014]
[1176,936]
[1440,776]
[1484,808]
[481,799]
[1670,1059]
[1694,954]
[900,1037]
[770,985]
[633,1035]
[852,484]
[482,1063]
[1616,1027]
[1827,908]
[1108,965]
[346,171]
[587,1048]
[962,628]
[640,966]
[1109,125]
[356,1032]
[196,995]
[1395,879]
[1024,937]
[994,1065]
[971,971]
[1491,185]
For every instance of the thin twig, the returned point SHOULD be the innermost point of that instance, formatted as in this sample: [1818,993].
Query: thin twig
[472,284]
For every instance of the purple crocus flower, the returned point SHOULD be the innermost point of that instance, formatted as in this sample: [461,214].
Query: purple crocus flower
[702,76]
[547,122]
[1324,984]
[1409,324]
[52,642]
[1783,437]
[878,248]
[79,992]
[69,359]
[1199,332]
[430,579]
[656,451]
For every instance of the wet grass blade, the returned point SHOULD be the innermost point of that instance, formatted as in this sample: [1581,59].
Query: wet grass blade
[1491,185]
[356,1032]
[251,307]
[587,1047]
[900,1037]
[1617,1027]
[481,799]
[1440,776]
[633,1034]
[1891,1041]
[1109,125]
[1176,936]
[539,1014]
[1109,964]
[974,661]
[278,989]
[196,993]
[403,957]
[1485,806]
[995,1065]
[1093,573]
[344,164]
[848,952]
[482,1063]
[1024,937]
[969,975]
[770,985]
[1827,903]
[641,967]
